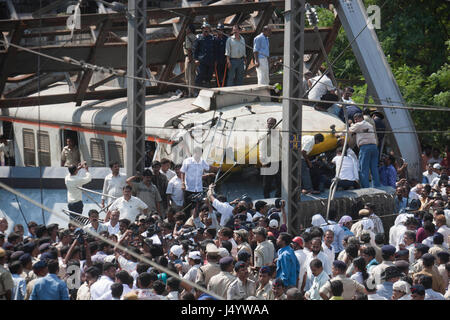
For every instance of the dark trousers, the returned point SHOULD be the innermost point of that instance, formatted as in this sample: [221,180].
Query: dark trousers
[271,182]
[204,75]
[220,72]
[75,207]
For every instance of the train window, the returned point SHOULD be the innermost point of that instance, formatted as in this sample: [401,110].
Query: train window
[29,149]
[98,153]
[44,149]
[115,151]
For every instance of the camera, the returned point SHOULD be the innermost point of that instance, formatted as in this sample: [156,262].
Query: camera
[80,235]
[189,233]
[152,230]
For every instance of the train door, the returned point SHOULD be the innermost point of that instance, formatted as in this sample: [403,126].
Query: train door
[74,136]
[8,133]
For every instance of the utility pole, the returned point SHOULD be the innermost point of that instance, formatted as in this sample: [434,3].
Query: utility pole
[294,48]
[136,66]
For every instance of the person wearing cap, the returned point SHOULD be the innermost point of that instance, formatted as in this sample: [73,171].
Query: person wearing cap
[391,275]
[359,226]
[264,252]
[288,267]
[350,286]
[242,287]
[73,182]
[297,246]
[220,41]
[129,206]
[377,223]
[429,175]
[212,268]
[235,52]
[430,270]
[277,292]
[401,290]
[417,292]
[264,284]
[368,154]
[195,262]
[6,279]
[40,270]
[204,56]
[261,55]
[189,63]
[220,283]
[388,254]
[50,287]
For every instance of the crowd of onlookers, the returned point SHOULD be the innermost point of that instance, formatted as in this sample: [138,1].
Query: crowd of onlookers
[234,249]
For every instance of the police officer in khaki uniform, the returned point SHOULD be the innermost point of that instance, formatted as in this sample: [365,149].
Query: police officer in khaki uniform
[189,63]
[212,268]
[6,280]
[70,155]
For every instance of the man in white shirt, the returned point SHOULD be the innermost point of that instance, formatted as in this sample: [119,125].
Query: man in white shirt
[307,145]
[113,184]
[430,174]
[113,223]
[174,189]
[165,169]
[348,176]
[319,87]
[129,206]
[192,177]
[297,245]
[326,245]
[316,253]
[103,284]
[222,206]
[441,226]
[73,181]
[95,225]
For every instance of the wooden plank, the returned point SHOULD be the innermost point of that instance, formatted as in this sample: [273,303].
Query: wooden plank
[83,82]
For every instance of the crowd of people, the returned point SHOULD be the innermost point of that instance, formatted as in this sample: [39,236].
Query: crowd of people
[236,250]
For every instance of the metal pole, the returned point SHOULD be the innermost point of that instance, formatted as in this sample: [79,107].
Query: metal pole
[294,48]
[136,67]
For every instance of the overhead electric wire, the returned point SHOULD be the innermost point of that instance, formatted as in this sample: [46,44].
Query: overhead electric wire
[122,73]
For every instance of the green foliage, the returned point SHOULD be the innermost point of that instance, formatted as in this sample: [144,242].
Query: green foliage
[414,36]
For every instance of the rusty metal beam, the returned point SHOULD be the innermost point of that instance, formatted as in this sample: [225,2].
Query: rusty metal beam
[174,54]
[114,54]
[328,43]
[83,81]
[38,83]
[98,84]
[70,97]
[7,63]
